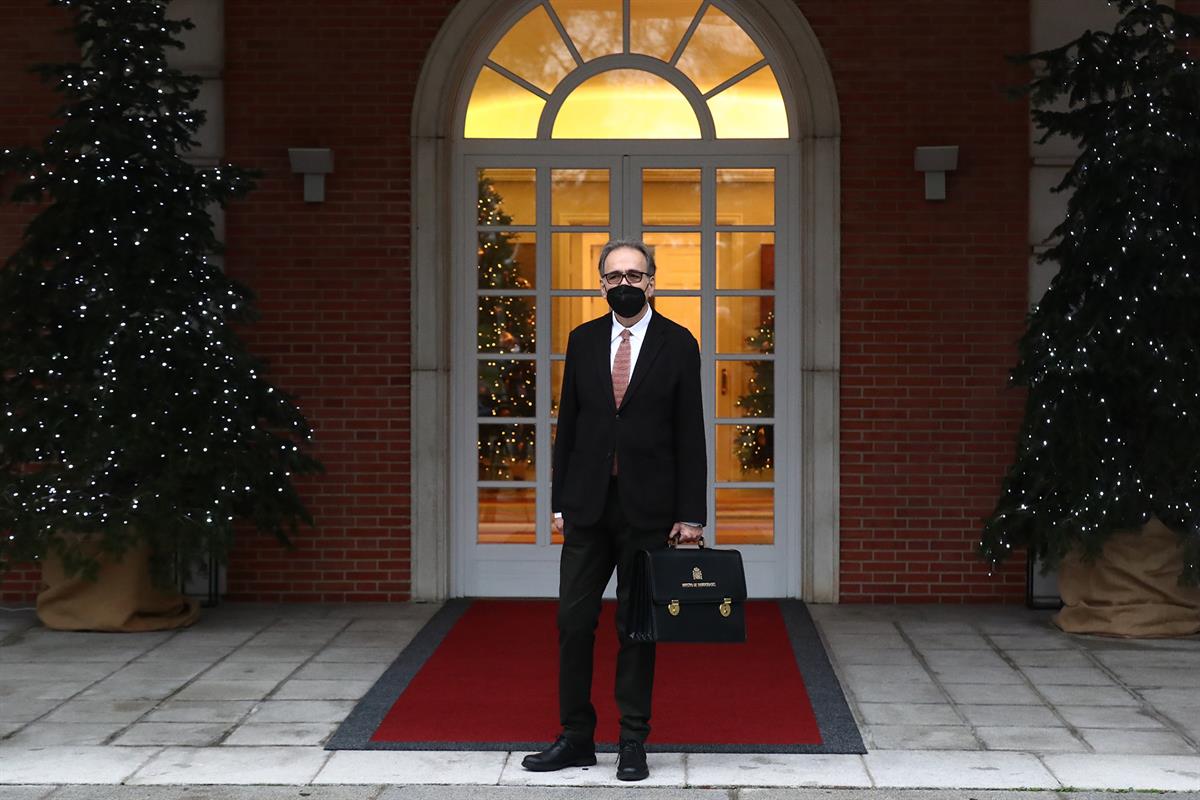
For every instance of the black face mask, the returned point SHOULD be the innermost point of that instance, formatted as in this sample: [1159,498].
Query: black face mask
[626,300]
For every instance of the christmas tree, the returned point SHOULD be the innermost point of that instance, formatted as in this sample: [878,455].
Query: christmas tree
[755,444]
[1111,354]
[506,325]
[129,408]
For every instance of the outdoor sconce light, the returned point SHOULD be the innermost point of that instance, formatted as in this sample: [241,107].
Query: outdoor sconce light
[314,163]
[935,162]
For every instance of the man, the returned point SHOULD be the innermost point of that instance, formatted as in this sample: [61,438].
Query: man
[629,473]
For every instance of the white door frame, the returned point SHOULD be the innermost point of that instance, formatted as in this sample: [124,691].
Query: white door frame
[522,570]
[814,192]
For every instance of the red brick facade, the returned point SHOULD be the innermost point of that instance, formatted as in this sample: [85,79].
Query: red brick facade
[933,294]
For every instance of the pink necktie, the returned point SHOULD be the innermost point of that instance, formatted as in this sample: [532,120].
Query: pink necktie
[620,376]
[620,370]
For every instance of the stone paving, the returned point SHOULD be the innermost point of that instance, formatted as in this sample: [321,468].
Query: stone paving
[946,697]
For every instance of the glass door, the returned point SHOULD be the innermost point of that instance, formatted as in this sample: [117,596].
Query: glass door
[530,276]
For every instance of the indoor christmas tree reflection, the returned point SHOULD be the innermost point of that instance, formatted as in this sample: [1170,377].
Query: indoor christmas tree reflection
[506,325]
[755,444]
[129,407]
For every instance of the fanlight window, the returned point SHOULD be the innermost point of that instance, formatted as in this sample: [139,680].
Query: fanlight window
[671,69]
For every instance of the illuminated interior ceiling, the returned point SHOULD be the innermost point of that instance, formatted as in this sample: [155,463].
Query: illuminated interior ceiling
[708,53]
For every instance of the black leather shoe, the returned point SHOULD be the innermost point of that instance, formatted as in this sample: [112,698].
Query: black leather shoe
[563,753]
[631,761]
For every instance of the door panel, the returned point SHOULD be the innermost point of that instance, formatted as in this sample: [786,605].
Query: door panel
[536,232]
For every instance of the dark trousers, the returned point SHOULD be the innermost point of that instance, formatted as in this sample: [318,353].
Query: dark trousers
[589,555]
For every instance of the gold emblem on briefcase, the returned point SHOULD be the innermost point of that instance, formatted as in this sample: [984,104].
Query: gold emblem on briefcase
[697,575]
[673,607]
[727,607]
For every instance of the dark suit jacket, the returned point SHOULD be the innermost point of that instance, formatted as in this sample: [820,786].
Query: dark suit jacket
[658,432]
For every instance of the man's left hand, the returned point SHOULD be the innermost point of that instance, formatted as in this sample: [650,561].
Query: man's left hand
[688,534]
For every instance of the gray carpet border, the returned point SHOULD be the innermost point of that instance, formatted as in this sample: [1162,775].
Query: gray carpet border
[839,733]
[366,717]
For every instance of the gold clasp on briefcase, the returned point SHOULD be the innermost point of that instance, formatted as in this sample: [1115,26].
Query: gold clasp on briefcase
[673,607]
[727,607]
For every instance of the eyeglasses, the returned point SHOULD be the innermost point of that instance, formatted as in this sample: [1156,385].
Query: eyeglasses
[615,277]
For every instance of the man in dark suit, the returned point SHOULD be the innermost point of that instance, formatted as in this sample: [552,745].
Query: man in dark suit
[629,473]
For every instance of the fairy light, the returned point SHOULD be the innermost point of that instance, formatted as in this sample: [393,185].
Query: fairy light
[131,400]
[1111,356]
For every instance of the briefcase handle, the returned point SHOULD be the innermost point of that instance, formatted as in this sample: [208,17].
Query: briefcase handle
[673,541]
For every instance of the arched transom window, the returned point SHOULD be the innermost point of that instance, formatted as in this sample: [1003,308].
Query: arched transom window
[626,69]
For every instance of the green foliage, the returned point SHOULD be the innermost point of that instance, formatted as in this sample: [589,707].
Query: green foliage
[1111,354]
[129,407]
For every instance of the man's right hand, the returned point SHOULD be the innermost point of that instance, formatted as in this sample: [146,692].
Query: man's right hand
[557,525]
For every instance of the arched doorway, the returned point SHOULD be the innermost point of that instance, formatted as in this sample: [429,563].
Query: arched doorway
[670,120]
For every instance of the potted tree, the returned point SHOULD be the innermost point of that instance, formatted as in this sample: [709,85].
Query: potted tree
[1106,481]
[135,428]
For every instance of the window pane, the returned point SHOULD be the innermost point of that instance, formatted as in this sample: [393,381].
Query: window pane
[745,452]
[745,260]
[626,104]
[593,25]
[506,260]
[683,310]
[556,375]
[506,325]
[657,26]
[534,50]
[500,109]
[506,516]
[506,452]
[506,389]
[745,197]
[745,388]
[745,324]
[718,50]
[676,259]
[671,196]
[579,196]
[745,516]
[575,256]
[507,197]
[566,313]
[751,109]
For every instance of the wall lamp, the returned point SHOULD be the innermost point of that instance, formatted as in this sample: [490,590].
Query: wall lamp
[935,162]
[314,163]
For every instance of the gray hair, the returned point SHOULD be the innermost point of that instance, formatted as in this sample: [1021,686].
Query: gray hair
[632,244]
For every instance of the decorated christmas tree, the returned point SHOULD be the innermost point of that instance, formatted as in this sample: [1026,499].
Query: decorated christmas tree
[506,325]
[1111,353]
[129,407]
[755,444]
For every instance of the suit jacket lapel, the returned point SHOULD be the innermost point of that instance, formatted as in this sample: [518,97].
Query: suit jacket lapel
[603,358]
[655,338]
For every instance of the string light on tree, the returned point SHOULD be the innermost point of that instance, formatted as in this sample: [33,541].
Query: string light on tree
[1111,353]
[755,444]
[130,407]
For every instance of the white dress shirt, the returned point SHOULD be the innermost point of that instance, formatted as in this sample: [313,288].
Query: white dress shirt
[638,331]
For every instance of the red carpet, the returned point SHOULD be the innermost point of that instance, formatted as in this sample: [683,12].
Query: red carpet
[494,679]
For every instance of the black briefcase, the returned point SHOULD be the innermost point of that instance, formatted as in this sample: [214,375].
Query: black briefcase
[688,595]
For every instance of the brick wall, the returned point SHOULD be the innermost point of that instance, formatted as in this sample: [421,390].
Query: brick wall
[933,293]
[332,278]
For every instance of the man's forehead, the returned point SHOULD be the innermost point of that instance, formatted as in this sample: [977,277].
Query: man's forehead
[623,252]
